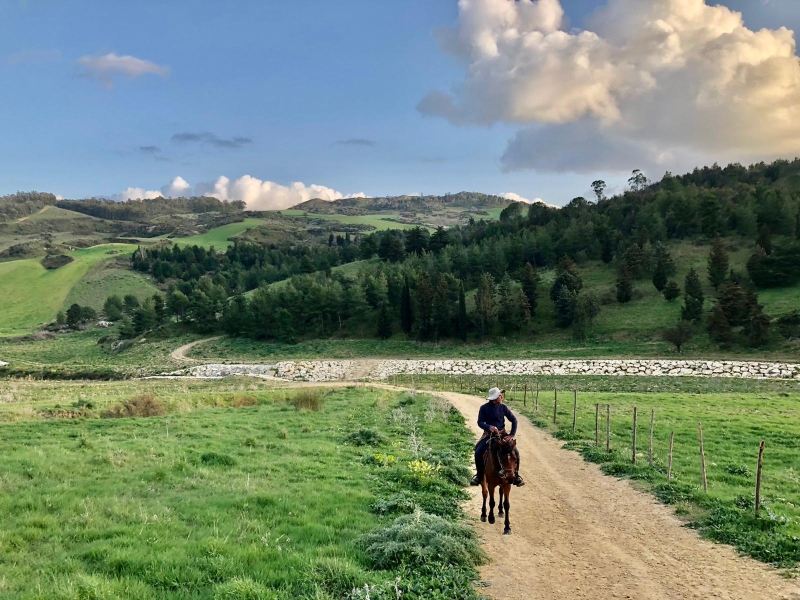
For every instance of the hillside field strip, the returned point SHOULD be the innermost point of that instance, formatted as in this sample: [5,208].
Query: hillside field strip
[219,236]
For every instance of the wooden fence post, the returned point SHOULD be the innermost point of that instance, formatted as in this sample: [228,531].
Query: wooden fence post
[608,428]
[652,422]
[525,395]
[536,406]
[702,456]
[633,453]
[574,411]
[669,463]
[555,406]
[758,476]
[596,425]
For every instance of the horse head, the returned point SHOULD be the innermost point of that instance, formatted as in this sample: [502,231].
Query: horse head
[504,448]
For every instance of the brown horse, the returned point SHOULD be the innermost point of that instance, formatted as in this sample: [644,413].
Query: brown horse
[501,464]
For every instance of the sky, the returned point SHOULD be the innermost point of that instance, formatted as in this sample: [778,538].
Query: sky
[277,102]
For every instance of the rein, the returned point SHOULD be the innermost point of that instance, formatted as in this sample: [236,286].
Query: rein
[501,472]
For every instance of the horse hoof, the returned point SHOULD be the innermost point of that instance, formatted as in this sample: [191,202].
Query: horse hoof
[491,520]
[507,531]
[483,518]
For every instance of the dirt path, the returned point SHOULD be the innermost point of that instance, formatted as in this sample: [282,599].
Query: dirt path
[180,354]
[25,218]
[580,534]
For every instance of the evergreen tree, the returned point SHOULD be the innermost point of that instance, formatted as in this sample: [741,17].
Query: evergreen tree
[416,241]
[424,299]
[757,326]
[765,239]
[113,307]
[236,316]
[734,303]
[331,240]
[61,318]
[74,316]
[718,263]
[624,285]
[530,287]
[719,328]
[439,240]
[513,307]
[566,276]
[202,311]
[144,317]
[406,310]
[284,326]
[672,292]
[367,248]
[634,261]
[131,303]
[693,297]
[565,307]
[484,304]
[587,307]
[664,267]
[178,304]
[441,308]
[158,306]
[462,313]
[126,328]
[384,321]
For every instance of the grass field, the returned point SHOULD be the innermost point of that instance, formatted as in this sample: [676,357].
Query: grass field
[218,237]
[378,221]
[33,295]
[234,493]
[103,281]
[735,415]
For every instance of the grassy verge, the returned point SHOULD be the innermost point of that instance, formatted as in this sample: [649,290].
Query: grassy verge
[734,421]
[235,491]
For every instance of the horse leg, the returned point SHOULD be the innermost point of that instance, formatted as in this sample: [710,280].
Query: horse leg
[485,494]
[491,505]
[507,530]
[500,504]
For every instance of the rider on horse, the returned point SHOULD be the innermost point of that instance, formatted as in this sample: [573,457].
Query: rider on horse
[491,418]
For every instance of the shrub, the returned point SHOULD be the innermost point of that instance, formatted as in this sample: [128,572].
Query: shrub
[740,469]
[308,399]
[146,405]
[213,459]
[241,401]
[365,437]
[671,291]
[678,335]
[421,539]
[243,588]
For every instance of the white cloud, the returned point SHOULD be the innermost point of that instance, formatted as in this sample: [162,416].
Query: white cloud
[108,67]
[661,81]
[257,194]
[517,198]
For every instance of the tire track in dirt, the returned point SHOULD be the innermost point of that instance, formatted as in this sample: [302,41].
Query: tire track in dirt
[580,534]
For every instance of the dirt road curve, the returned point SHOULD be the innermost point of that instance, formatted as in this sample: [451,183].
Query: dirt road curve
[179,354]
[580,534]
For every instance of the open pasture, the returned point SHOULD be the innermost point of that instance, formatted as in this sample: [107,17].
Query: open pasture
[234,490]
[219,237]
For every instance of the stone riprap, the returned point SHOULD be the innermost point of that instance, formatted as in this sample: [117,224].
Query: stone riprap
[219,371]
[331,370]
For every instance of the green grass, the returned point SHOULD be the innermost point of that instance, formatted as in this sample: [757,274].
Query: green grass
[735,415]
[213,503]
[32,295]
[103,281]
[379,221]
[219,236]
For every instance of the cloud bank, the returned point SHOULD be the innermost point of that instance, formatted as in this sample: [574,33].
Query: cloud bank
[211,139]
[108,67]
[257,194]
[648,82]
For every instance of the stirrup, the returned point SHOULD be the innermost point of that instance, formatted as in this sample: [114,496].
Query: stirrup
[477,480]
[519,481]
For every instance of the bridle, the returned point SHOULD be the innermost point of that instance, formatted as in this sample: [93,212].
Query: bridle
[496,440]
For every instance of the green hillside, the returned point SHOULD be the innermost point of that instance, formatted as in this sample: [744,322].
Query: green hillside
[219,237]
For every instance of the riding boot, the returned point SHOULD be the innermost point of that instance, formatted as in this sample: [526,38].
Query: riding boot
[518,481]
[478,479]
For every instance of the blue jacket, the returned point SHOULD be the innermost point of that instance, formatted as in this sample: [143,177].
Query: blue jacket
[492,414]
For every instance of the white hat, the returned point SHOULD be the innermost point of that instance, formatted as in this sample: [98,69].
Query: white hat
[494,393]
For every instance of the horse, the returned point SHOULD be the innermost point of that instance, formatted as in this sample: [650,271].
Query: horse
[501,464]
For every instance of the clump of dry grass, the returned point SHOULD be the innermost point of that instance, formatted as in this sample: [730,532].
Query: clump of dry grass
[145,405]
[308,399]
[242,401]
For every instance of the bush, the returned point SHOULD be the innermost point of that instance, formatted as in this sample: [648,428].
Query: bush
[308,399]
[243,588]
[213,459]
[146,405]
[420,539]
[365,437]
[740,469]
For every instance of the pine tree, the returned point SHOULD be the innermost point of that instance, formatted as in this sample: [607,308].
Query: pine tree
[384,321]
[765,239]
[113,307]
[565,307]
[463,323]
[566,276]
[719,328]
[131,303]
[672,292]
[757,326]
[423,316]
[416,241]
[530,287]
[664,267]
[718,263]
[587,307]
[624,285]
[512,312]
[126,328]
[693,297]
[74,315]
[634,261]
[439,240]
[406,310]
[441,308]
[484,304]
[158,306]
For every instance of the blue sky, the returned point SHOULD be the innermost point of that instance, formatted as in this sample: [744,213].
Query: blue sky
[315,91]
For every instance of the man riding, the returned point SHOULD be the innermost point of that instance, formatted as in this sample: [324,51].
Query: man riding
[491,418]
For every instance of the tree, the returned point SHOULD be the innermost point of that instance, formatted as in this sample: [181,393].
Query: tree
[719,328]
[463,324]
[599,187]
[484,304]
[624,285]
[74,316]
[178,304]
[439,240]
[587,307]
[664,267]
[61,318]
[765,239]
[236,316]
[757,326]
[566,276]
[441,308]
[126,329]
[416,241]
[634,260]
[693,297]
[565,307]
[734,304]
[678,335]
[406,310]
[384,321]
[367,248]
[131,303]
[718,264]
[638,181]
[144,317]
[391,248]
[113,308]
[159,307]
[424,299]
[530,287]
[513,307]
[202,311]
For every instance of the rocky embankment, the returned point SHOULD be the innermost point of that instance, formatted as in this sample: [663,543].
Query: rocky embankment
[332,370]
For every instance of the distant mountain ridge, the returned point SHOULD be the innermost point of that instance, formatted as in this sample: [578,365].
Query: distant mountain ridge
[358,206]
